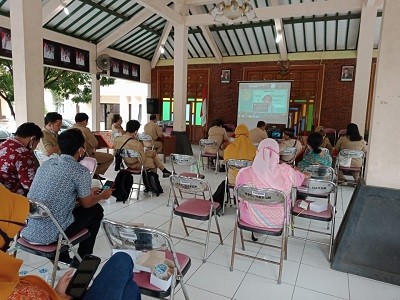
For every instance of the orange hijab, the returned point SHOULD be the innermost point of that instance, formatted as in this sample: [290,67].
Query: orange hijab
[242,147]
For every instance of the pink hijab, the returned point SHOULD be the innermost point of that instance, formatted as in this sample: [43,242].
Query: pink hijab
[269,172]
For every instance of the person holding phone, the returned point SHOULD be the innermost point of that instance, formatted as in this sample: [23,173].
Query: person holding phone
[17,159]
[113,282]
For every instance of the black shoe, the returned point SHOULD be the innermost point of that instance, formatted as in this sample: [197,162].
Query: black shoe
[98,177]
[222,168]
[166,174]
[66,260]
[74,264]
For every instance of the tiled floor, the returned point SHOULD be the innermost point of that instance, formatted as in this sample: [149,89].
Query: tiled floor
[306,273]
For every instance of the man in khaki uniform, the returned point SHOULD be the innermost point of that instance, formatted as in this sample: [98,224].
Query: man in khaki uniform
[104,160]
[150,159]
[153,130]
[289,141]
[52,125]
[258,134]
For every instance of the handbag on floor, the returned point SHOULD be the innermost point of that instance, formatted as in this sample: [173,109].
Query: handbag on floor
[151,182]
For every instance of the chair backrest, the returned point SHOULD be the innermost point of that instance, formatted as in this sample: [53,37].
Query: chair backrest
[146,139]
[320,172]
[265,197]
[349,153]
[90,163]
[187,185]
[237,164]
[317,187]
[184,160]
[207,142]
[291,152]
[40,156]
[131,153]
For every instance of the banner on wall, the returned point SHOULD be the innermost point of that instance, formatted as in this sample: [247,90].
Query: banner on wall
[54,54]
[125,70]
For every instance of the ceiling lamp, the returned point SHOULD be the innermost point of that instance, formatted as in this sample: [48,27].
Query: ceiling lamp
[162,49]
[278,36]
[65,9]
[232,11]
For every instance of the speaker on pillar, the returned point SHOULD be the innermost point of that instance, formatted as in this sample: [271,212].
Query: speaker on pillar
[153,107]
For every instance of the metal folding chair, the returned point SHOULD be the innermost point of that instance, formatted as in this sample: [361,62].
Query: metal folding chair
[290,152]
[52,251]
[320,172]
[203,143]
[128,153]
[317,189]
[147,140]
[185,161]
[143,238]
[269,200]
[345,158]
[193,199]
[232,168]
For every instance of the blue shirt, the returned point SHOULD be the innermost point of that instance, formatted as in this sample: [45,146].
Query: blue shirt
[58,182]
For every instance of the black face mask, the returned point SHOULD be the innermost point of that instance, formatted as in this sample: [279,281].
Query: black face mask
[82,157]
[6,238]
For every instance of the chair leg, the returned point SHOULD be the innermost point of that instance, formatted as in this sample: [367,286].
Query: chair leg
[184,226]
[233,246]
[140,183]
[170,221]
[218,228]
[169,196]
[53,274]
[241,238]
[207,239]
[281,259]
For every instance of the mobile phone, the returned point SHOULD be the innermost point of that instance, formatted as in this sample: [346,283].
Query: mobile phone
[82,276]
[107,185]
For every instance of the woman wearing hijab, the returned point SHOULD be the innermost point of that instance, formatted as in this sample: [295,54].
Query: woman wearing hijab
[14,210]
[266,172]
[241,148]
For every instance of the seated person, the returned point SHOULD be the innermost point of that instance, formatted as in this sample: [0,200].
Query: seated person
[17,161]
[258,134]
[150,159]
[217,133]
[289,141]
[354,141]
[267,172]
[316,156]
[325,142]
[58,184]
[104,160]
[241,148]
[52,125]
[155,131]
[116,128]
[14,210]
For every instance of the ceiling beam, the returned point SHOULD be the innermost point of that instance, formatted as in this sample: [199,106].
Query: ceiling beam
[201,2]
[124,29]
[279,29]
[288,11]
[160,7]
[51,9]
[209,38]
[161,42]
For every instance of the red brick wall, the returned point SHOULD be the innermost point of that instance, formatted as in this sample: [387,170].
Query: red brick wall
[337,96]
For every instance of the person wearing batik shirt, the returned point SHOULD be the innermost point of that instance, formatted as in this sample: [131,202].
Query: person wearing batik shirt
[17,161]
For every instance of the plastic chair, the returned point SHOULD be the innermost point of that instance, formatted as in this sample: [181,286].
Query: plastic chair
[203,154]
[187,161]
[147,140]
[317,189]
[320,172]
[270,199]
[232,168]
[52,251]
[344,161]
[129,153]
[292,153]
[196,202]
[143,238]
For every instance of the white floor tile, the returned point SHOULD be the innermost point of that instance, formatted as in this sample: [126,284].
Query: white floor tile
[304,294]
[317,257]
[151,220]
[195,250]
[214,278]
[198,294]
[367,289]
[256,287]
[222,256]
[323,281]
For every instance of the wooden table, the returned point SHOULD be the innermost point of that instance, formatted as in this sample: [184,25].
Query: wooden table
[169,145]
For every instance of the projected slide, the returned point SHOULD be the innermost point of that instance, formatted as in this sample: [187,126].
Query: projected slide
[263,101]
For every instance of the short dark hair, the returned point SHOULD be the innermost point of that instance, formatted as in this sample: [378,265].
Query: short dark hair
[217,122]
[289,132]
[80,117]
[315,140]
[132,126]
[116,118]
[70,141]
[51,117]
[353,133]
[260,124]
[29,129]
[153,117]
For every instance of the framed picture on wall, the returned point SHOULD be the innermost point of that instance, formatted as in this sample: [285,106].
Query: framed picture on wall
[347,73]
[225,76]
